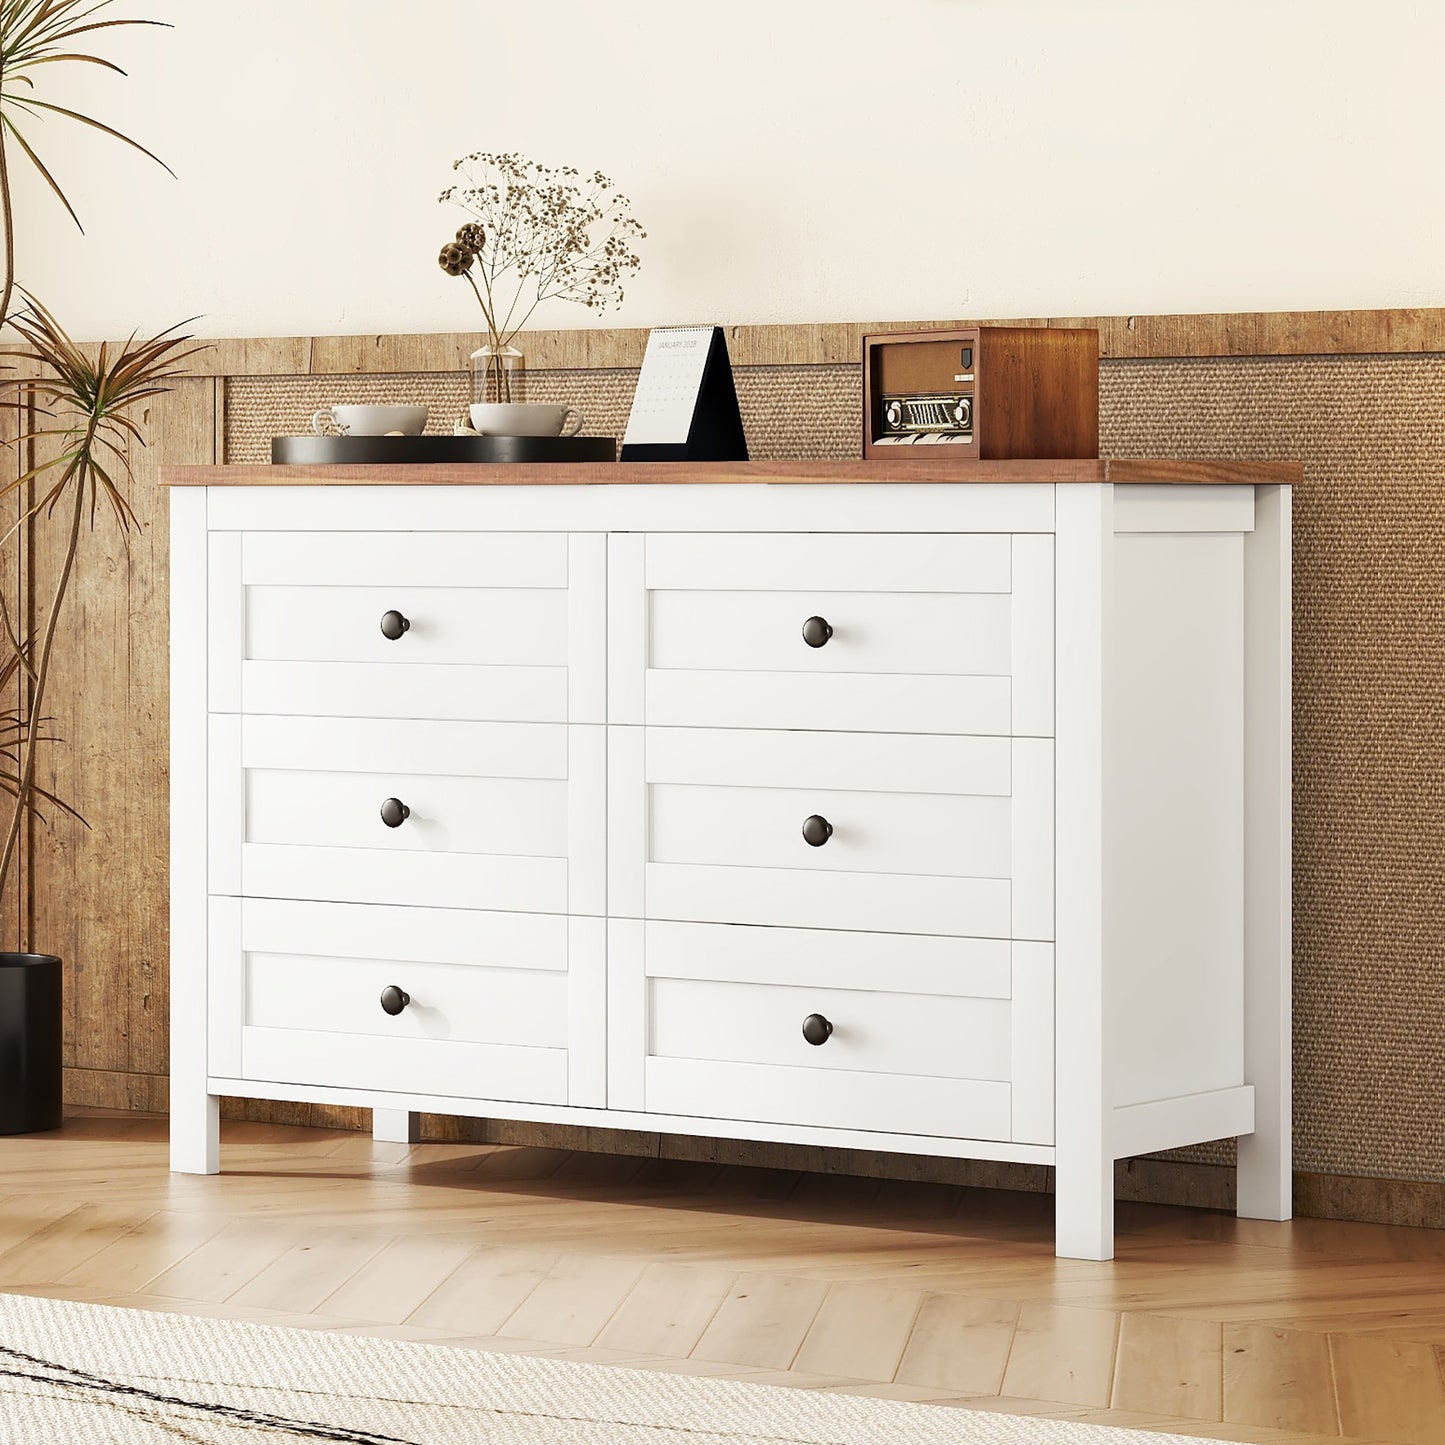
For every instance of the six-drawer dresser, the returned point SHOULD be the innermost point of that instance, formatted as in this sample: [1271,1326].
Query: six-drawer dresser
[931,807]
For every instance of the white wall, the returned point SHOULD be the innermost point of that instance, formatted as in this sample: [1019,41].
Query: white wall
[791,159]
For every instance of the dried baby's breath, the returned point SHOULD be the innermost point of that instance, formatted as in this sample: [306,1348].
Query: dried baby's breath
[539,233]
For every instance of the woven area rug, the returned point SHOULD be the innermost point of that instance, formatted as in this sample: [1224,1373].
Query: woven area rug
[78,1374]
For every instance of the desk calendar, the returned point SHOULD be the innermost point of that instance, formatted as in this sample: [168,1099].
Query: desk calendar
[685,407]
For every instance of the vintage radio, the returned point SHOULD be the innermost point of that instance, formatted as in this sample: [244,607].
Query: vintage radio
[986,393]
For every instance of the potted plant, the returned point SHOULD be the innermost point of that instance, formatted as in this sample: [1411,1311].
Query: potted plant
[86,402]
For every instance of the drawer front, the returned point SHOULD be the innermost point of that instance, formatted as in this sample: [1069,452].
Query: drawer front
[405,559]
[875,632]
[950,835]
[873,1033]
[496,815]
[491,1005]
[923,1035]
[937,634]
[501,626]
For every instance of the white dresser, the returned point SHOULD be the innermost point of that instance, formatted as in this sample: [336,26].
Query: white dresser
[759,801]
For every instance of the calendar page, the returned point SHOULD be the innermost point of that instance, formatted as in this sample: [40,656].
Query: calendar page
[668,386]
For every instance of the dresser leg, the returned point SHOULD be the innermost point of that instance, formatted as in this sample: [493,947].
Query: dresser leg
[395,1126]
[1084,1209]
[1265,1184]
[195,1132]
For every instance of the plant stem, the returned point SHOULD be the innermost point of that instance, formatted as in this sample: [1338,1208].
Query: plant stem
[501,382]
[42,673]
[9,222]
[7,218]
[486,310]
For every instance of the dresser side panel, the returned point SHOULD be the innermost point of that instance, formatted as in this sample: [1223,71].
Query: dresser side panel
[1174,760]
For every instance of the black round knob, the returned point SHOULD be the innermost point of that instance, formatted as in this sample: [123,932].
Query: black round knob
[816,631]
[394,812]
[816,830]
[817,1030]
[393,624]
[394,999]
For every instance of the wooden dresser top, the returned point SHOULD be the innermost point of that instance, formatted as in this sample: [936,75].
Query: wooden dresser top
[598,473]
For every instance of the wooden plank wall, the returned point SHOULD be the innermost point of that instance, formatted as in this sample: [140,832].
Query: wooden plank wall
[99,897]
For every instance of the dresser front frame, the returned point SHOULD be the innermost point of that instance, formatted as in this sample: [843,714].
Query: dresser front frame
[1085,519]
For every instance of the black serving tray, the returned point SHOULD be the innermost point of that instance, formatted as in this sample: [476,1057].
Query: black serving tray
[408,451]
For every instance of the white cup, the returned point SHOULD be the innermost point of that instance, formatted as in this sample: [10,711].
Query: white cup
[525,419]
[371,421]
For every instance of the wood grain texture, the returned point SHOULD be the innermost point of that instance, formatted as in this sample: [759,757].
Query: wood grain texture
[229,1260]
[59,1243]
[1393,1389]
[1414,1204]
[573,1302]
[1034,389]
[484,1291]
[117,1088]
[959,1344]
[1402,330]
[578,474]
[309,1271]
[938,1295]
[1278,1377]
[860,1332]
[762,1322]
[101,893]
[142,1252]
[667,1310]
[1173,1366]
[397,1281]
[1062,1352]
[1411,1202]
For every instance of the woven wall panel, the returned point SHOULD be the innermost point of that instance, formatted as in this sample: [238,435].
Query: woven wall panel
[771,399]
[1369,647]
[1369,725]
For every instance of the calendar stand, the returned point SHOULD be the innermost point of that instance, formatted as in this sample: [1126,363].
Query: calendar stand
[685,408]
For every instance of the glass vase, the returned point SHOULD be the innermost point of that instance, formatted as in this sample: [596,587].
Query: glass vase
[499,374]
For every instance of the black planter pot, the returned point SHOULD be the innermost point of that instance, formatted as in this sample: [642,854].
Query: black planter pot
[29,1042]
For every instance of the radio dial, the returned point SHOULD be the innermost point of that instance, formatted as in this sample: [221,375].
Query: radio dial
[893,413]
[962,412]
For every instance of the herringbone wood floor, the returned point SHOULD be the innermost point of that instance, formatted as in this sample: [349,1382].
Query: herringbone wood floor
[1206,1325]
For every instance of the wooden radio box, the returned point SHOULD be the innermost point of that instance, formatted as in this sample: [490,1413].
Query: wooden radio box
[986,393]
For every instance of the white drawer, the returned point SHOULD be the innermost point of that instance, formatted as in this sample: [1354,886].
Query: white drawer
[929,834]
[404,559]
[759,827]
[504,627]
[499,626]
[380,689]
[927,1035]
[876,632]
[876,1033]
[942,634]
[491,1004]
[498,815]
